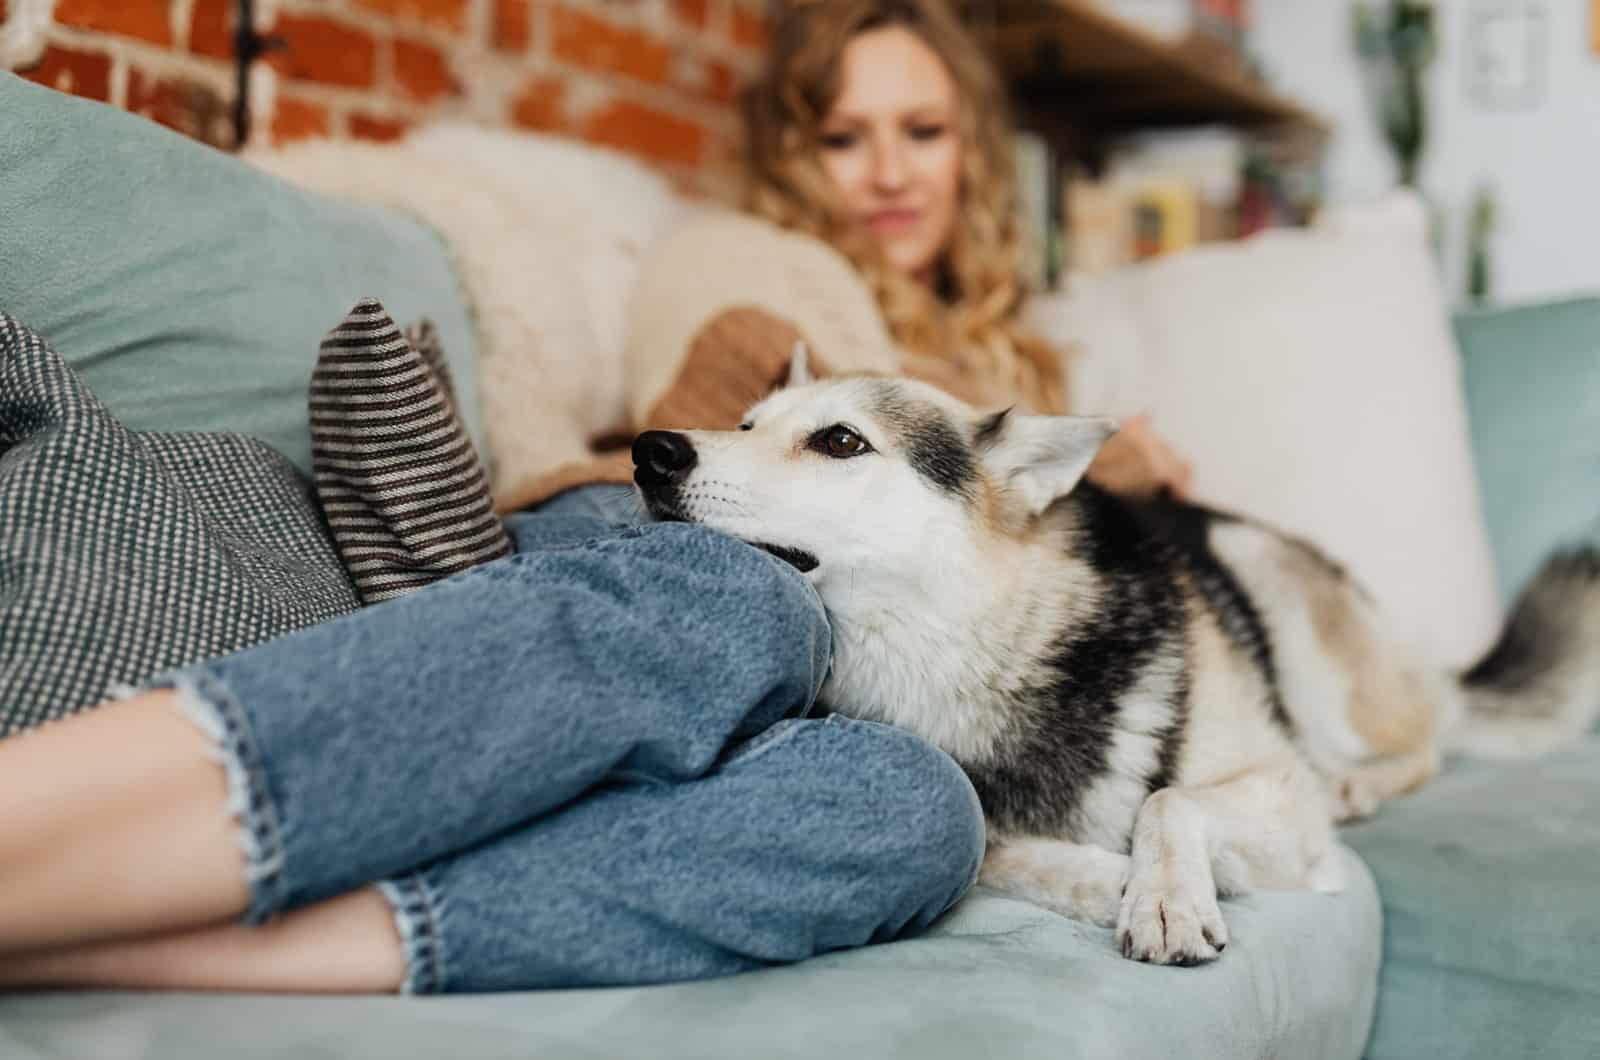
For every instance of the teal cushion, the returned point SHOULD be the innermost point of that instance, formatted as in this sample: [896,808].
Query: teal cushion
[997,977]
[1491,893]
[189,290]
[1532,377]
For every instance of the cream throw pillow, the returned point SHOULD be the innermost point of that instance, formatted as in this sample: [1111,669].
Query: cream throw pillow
[1313,378]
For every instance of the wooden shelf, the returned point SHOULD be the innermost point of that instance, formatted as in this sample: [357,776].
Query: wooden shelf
[1074,66]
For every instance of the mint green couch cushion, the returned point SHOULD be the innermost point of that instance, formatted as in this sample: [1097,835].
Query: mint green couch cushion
[1532,377]
[1491,892]
[188,289]
[995,978]
[1490,875]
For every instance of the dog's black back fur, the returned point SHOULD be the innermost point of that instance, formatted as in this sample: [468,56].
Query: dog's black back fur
[1139,552]
[1187,528]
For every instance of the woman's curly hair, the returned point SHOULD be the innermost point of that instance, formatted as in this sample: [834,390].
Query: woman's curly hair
[969,315]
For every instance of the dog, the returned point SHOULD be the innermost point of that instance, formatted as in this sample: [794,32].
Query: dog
[1158,704]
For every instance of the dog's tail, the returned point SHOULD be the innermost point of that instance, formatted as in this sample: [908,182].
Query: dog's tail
[1538,689]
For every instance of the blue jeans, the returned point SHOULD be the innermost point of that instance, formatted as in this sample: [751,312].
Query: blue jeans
[586,764]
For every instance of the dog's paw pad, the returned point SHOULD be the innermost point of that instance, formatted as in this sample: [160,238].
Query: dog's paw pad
[1160,926]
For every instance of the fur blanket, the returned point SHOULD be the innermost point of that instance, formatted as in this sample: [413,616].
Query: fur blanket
[547,237]
[590,281]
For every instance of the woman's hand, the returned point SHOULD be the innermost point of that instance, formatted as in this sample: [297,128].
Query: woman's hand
[1134,462]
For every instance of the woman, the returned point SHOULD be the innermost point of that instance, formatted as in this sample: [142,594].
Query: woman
[587,763]
[880,128]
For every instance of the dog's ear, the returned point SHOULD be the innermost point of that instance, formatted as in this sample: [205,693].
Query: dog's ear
[1040,458]
[799,365]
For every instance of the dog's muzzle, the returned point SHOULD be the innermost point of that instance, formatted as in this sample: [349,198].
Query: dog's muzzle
[662,459]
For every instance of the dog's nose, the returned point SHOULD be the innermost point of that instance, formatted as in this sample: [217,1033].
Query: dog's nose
[662,458]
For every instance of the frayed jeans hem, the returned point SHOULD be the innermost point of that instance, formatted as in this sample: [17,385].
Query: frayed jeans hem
[205,701]
[416,910]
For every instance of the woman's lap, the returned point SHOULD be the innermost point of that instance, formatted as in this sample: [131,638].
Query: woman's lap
[817,835]
[535,712]
[607,503]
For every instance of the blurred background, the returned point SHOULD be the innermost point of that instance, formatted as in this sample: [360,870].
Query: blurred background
[1147,125]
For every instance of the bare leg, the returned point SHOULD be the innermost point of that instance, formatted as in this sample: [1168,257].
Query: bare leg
[114,824]
[1270,827]
[1076,880]
[348,944]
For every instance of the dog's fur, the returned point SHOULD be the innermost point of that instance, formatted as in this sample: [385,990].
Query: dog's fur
[1157,703]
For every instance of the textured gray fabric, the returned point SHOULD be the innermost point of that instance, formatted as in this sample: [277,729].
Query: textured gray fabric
[399,480]
[124,553]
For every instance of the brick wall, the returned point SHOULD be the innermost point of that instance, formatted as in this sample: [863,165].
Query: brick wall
[655,78]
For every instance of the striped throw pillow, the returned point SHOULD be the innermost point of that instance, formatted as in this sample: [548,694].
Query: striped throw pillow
[401,485]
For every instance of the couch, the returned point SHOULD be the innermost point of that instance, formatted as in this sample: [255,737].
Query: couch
[190,290]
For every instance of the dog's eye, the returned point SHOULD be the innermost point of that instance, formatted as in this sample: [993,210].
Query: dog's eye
[747,426]
[839,442]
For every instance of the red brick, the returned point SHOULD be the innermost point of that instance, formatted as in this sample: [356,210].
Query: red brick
[298,120]
[692,12]
[70,70]
[320,49]
[211,28]
[370,127]
[706,78]
[183,105]
[449,14]
[422,71]
[748,28]
[145,19]
[721,83]
[511,31]
[541,105]
[584,40]
[648,132]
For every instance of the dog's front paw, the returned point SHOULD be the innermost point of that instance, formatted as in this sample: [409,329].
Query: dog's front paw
[1165,924]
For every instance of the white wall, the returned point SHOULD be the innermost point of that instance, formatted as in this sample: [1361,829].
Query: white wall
[1544,162]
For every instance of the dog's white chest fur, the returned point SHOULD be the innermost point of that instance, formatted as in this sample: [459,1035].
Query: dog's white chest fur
[957,661]
[906,670]
[940,656]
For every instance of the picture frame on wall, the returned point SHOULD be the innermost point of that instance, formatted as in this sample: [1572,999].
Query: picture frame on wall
[1507,52]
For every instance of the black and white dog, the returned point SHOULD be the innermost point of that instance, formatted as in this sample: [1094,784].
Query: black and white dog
[1156,703]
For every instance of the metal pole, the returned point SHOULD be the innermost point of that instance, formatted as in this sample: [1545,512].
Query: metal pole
[248,46]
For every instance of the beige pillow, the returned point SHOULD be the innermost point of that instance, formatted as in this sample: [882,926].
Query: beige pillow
[1313,379]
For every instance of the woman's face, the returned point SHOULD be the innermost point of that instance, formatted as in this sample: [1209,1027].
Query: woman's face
[891,148]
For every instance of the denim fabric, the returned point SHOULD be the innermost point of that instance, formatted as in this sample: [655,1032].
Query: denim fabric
[586,764]
[817,835]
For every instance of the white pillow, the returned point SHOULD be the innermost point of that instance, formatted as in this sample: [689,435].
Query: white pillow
[1313,379]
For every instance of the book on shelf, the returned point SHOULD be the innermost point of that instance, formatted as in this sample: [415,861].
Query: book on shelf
[1159,193]
[1036,181]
